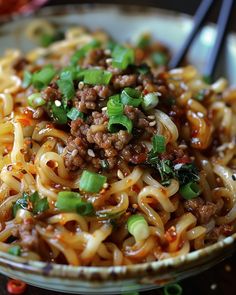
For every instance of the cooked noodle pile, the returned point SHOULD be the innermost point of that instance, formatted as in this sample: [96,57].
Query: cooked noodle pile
[107,158]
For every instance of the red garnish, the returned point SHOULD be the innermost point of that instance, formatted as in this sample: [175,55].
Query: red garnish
[136,188]
[16,287]
[183,160]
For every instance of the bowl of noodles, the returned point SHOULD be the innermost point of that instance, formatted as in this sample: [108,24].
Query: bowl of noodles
[117,173]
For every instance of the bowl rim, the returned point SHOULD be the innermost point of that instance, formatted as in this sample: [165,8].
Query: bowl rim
[101,273]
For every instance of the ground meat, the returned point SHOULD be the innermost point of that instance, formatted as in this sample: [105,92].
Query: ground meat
[136,154]
[20,64]
[103,91]
[86,99]
[95,57]
[204,211]
[222,230]
[122,81]
[28,235]
[51,93]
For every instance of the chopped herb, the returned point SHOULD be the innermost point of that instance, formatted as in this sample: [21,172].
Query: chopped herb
[122,57]
[15,250]
[66,85]
[27,79]
[144,40]
[143,69]
[158,144]
[111,45]
[31,203]
[59,114]
[207,79]
[97,77]
[48,39]
[200,95]
[42,78]
[159,58]
[104,164]
[74,114]
[83,51]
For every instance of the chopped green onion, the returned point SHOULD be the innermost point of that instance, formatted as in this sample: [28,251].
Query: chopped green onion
[27,79]
[66,85]
[15,250]
[59,114]
[97,77]
[150,101]
[131,96]
[39,204]
[143,69]
[144,40]
[111,45]
[48,39]
[158,144]
[68,201]
[200,95]
[138,227]
[159,58]
[35,100]
[74,114]
[83,51]
[190,190]
[122,57]
[114,106]
[91,182]
[173,289]
[42,78]
[119,122]
[73,72]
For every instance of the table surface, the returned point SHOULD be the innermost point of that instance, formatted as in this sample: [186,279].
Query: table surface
[220,279]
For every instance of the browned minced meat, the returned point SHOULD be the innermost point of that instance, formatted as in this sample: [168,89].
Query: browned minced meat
[103,91]
[86,99]
[27,235]
[51,92]
[20,64]
[103,144]
[95,57]
[222,230]
[122,81]
[203,210]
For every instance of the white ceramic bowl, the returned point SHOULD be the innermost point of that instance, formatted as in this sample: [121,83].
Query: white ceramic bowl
[123,24]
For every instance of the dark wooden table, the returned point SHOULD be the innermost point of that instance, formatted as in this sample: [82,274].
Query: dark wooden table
[220,280]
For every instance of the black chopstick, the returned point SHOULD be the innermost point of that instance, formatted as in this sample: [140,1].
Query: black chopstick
[201,14]
[222,23]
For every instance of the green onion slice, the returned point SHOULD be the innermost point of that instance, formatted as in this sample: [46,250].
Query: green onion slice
[15,250]
[91,182]
[97,77]
[138,227]
[120,122]
[27,79]
[59,114]
[122,57]
[158,144]
[74,114]
[159,58]
[150,101]
[114,106]
[83,51]
[68,201]
[66,85]
[131,96]
[144,40]
[42,78]
[190,190]
[173,289]
[35,100]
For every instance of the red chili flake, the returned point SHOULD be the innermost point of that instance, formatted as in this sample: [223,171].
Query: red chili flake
[136,188]
[183,160]
[171,234]
[16,287]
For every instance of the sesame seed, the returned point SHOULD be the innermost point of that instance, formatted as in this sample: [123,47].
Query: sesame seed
[152,117]
[91,153]
[135,206]
[81,85]
[57,103]
[104,109]
[120,174]
[213,286]
[74,152]
[171,86]
[234,177]
[153,123]
[105,185]
[107,52]
[109,61]
[183,146]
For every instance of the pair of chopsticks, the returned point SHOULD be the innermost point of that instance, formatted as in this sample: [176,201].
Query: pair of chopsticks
[199,18]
